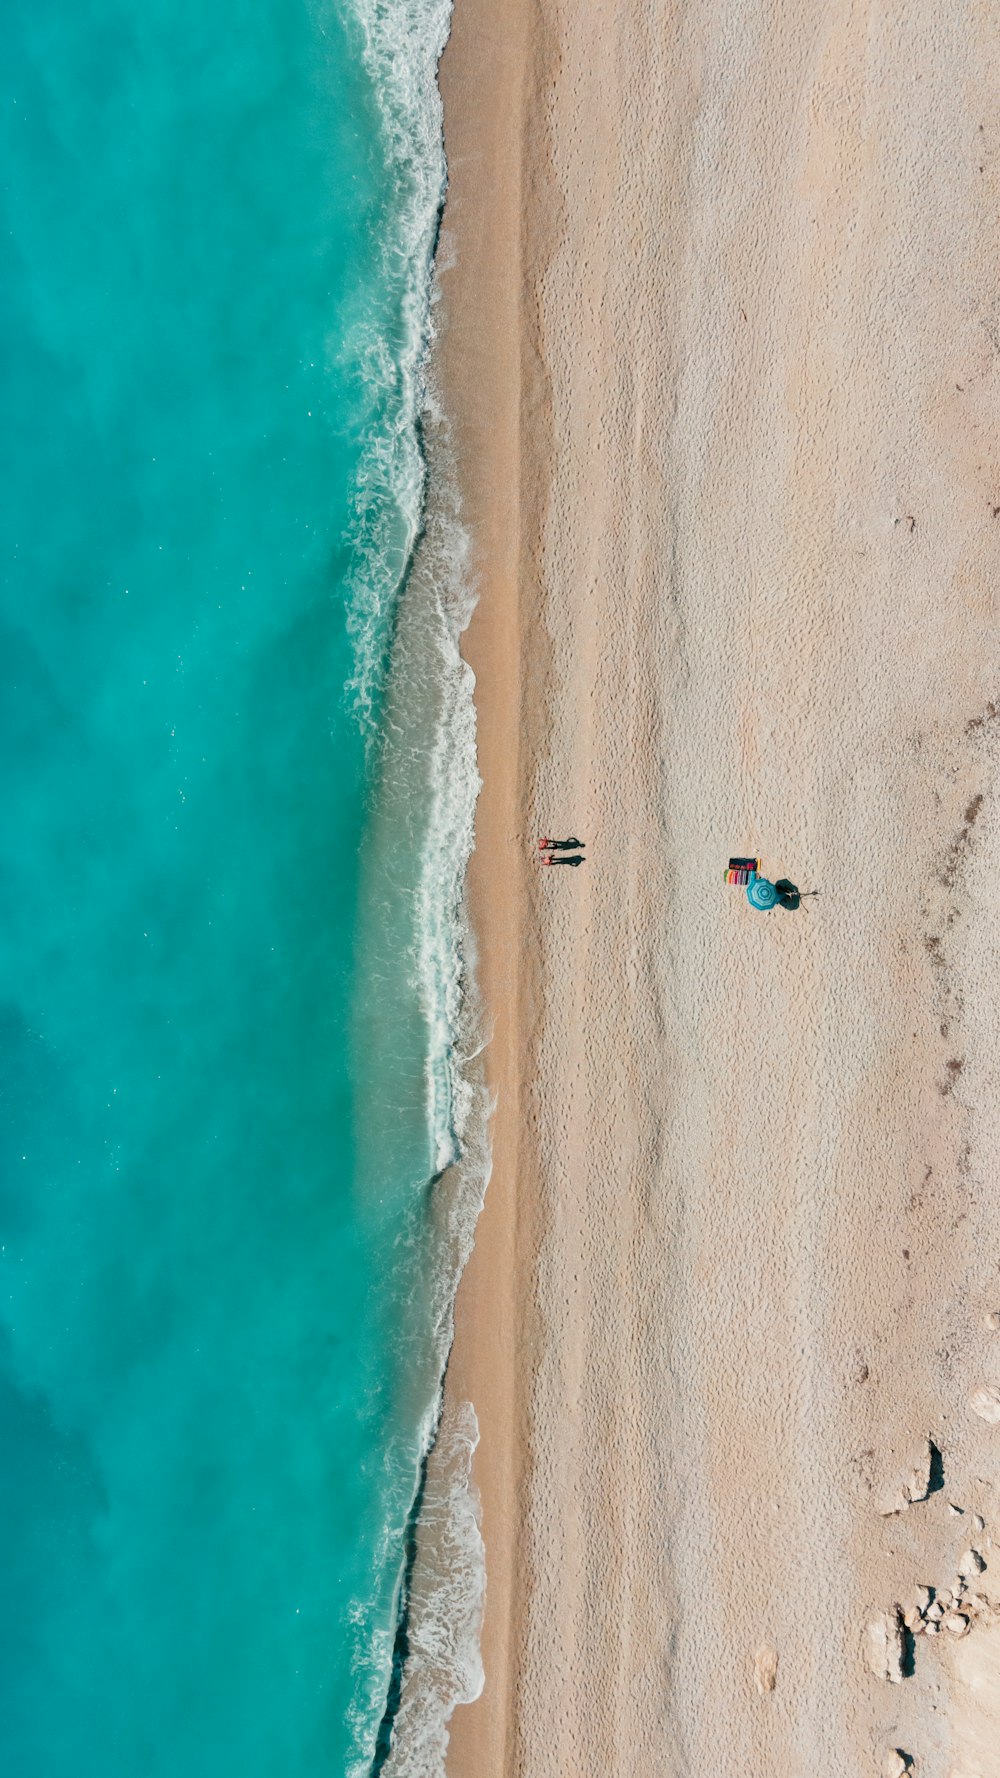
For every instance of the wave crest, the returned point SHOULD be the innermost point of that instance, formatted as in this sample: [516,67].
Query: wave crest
[401,45]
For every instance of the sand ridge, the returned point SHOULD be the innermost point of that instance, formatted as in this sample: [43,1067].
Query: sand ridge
[722,345]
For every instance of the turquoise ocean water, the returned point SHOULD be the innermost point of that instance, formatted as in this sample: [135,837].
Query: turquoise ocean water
[227,971]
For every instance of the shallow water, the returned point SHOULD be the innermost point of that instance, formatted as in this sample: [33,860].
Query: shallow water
[215,252]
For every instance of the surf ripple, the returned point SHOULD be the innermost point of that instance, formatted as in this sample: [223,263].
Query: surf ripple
[410,598]
[401,42]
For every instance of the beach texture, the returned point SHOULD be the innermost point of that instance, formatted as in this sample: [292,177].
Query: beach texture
[721,343]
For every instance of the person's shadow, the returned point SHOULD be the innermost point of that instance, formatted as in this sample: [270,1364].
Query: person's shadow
[789,896]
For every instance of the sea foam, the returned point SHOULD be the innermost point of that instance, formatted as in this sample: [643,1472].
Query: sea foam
[424,1657]
[411,597]
[401,42]
[444,1664]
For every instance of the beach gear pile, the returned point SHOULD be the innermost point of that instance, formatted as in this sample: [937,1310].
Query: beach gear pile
[745,872]
[742,870]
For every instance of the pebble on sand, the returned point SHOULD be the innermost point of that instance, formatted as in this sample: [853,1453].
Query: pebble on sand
[915,1487]
[884,1646]
[957,1623]
[985,1402]
[971,1563]
[765,1668]
[992,1321]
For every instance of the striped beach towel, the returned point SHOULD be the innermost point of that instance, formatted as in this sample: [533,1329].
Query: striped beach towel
[742,870]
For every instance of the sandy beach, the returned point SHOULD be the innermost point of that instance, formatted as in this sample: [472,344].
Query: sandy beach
[720,342]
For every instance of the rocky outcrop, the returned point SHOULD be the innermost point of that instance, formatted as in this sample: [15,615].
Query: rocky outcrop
[952,1611]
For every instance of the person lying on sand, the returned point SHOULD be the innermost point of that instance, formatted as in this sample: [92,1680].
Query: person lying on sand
[789,895]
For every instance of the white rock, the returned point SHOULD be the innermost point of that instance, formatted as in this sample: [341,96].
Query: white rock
[985,1402]
[896,1502]
[945,1598]
[894,1763]
[913,1620]
[931,1629]
[915,1486]
[956,1511]
[918,1481]
[992,1321]
[765,1668]
[970,1564]
[884,1646]
[923,1597]
[978,1522]
[957,1623]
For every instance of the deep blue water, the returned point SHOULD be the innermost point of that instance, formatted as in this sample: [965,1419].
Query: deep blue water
[206,1423]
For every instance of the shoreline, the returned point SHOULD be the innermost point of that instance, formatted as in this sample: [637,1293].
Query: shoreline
[483,351]
[705,356]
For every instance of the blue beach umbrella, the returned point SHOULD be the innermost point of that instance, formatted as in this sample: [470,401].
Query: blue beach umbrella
[761,894]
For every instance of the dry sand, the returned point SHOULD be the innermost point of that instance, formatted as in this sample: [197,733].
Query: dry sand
[722,347]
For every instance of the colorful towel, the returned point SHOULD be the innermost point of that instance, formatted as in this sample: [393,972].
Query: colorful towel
[742,870]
